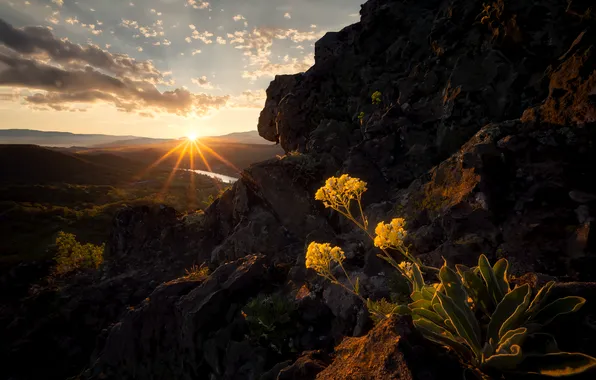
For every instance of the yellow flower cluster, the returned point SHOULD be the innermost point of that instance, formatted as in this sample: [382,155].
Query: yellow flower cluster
[319,256]
[391,235]
[406,268]
[339,191]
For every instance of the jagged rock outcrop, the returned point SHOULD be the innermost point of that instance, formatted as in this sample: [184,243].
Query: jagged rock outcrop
[392,350]
[184,328]
[483,140]
[445,69]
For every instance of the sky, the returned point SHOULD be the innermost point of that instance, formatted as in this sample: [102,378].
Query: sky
[154,68]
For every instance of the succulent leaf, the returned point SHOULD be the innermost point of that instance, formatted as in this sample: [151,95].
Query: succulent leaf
[455,290]
[539,299]
[512,338]
[557,364]
[558,307]
[438,308]
[453,285]
[439,335]
[505,309]
[461,269]
[490,279]
[421,304]
[430,315]
[461,323]
[416,295]
[417,276]
[517,318]
[428,292]
[478,291]
[500,271]
[505,361]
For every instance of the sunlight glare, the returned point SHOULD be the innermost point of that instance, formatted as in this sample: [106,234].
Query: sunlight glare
[191,137]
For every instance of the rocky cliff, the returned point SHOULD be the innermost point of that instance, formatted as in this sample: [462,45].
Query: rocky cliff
[483,140]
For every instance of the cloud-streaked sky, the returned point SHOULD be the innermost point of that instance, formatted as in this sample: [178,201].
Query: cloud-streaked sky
[157,68]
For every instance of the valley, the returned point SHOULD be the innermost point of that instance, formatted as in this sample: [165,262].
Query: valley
[46,190]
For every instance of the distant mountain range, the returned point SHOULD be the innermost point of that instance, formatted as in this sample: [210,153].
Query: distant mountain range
[67,139]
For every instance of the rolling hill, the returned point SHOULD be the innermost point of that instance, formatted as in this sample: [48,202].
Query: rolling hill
[67,139]
[32,164]
[57,139]
[222,156]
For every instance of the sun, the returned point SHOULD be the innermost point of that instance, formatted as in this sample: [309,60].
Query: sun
[191,137]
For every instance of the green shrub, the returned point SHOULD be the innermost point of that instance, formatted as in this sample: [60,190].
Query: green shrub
[376,97]
[72,255]
[271,320]
[476,313]
[472,311]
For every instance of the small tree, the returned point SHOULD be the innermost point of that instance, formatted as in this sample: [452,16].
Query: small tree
[72,255]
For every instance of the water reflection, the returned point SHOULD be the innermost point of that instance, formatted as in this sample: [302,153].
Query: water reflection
[222,177]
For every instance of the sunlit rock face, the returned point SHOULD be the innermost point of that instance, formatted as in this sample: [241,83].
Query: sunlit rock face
[482,132]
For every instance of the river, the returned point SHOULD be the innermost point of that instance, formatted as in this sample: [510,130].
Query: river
[223,178]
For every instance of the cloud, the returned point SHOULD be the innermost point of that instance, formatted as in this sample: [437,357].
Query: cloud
[287,15]
[269,69]
[40,41]
[129,24]
[249,99]
[58,2]
[62,88]
[152,31]
[54,18]
[257,46]
[90,27]
[61,74]
[238,18]
[196,51]
[220,40]
[197,4]
[202,82]
[203,36]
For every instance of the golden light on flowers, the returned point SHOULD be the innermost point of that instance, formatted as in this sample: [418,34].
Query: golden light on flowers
[406,268]
[320,256]
[390,235]
[339,191]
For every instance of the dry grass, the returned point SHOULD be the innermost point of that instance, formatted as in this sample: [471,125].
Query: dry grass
[197,273]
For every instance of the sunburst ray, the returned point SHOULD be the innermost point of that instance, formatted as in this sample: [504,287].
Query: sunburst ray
[192,194]
[159,160]
[174,171]
[218,156]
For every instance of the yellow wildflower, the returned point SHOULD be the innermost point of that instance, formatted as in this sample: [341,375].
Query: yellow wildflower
[339,191]
[319,256]
[390,235]
[406,268]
